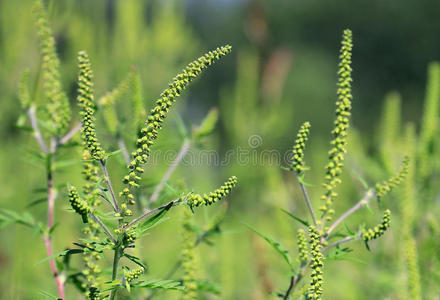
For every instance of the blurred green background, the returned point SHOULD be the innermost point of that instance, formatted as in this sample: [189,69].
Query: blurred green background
[282,72]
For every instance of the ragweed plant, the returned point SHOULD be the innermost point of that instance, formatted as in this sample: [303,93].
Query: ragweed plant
[321,236]
[105,214]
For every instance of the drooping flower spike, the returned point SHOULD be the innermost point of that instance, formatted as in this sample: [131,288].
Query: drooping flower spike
[158,114]
[195,200]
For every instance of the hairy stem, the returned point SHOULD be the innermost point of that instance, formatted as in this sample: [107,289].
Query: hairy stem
[368,195]
[36,130]
[183,150]
[110,187]
[308,202]
[123,147]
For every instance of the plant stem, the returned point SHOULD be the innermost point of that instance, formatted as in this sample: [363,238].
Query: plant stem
[183,150]
[152,211]
[70,134]
[36,131]
[116,258]
[106,230]
[308,202]
[109,185]
[368,195]
[289,290]
[123,147]
[51,195]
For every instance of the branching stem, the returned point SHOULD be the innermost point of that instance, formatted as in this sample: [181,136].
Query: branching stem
[105,228]
[36,130]
[308,202]
[110,187]
[116,258]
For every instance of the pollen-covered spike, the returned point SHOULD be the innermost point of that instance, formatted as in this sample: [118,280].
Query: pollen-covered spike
[298,149]
[387,186]
[379,230]
[195,200]
[58,104]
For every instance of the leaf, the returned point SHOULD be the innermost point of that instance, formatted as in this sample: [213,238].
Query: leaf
[136,260]
[181,127]
[59,254]
[8,217]
[305,223]
[276,245]
[361,179]
[348,230]
[154,220]
[159,284]
[303,181]
[207,125]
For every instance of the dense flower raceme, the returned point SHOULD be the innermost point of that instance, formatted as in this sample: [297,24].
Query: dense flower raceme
[338,144]
[379,230]
[87,106]
[298,149]
[385,187]
[58,104]
[131,275]
[315,288]
[195,200]
[158,113]
[79,206]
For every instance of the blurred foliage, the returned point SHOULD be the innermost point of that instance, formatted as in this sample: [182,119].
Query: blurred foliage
[282,73]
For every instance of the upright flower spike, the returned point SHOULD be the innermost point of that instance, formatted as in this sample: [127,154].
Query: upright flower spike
[385,187]
[298,149]
[379,230]
[188,257]
[58,104]
[78,205]
[195,200]
[315,288]
[157,115]
[87,106]
[302,247]
[341,123]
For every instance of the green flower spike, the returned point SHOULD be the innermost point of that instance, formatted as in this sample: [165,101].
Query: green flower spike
[87,106]
[78,205]
[58,105]
[158,113]
[298,149]
[341,123]
[302,247]
[385,187]
[195,200]
[134,274]
[315,288]
[379,230]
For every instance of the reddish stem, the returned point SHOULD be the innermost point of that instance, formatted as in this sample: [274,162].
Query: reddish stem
[46,238]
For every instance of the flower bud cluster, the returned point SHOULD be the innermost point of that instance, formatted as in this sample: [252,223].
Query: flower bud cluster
[94,293]
[195,200]
[341,124]
[298,149]
[315,288]
[385,187]
[78,205]
[157,115]
[87,106]
[58,105]
[131,275]
[379,230]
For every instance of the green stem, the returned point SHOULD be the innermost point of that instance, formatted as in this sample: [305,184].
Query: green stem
[116,258]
